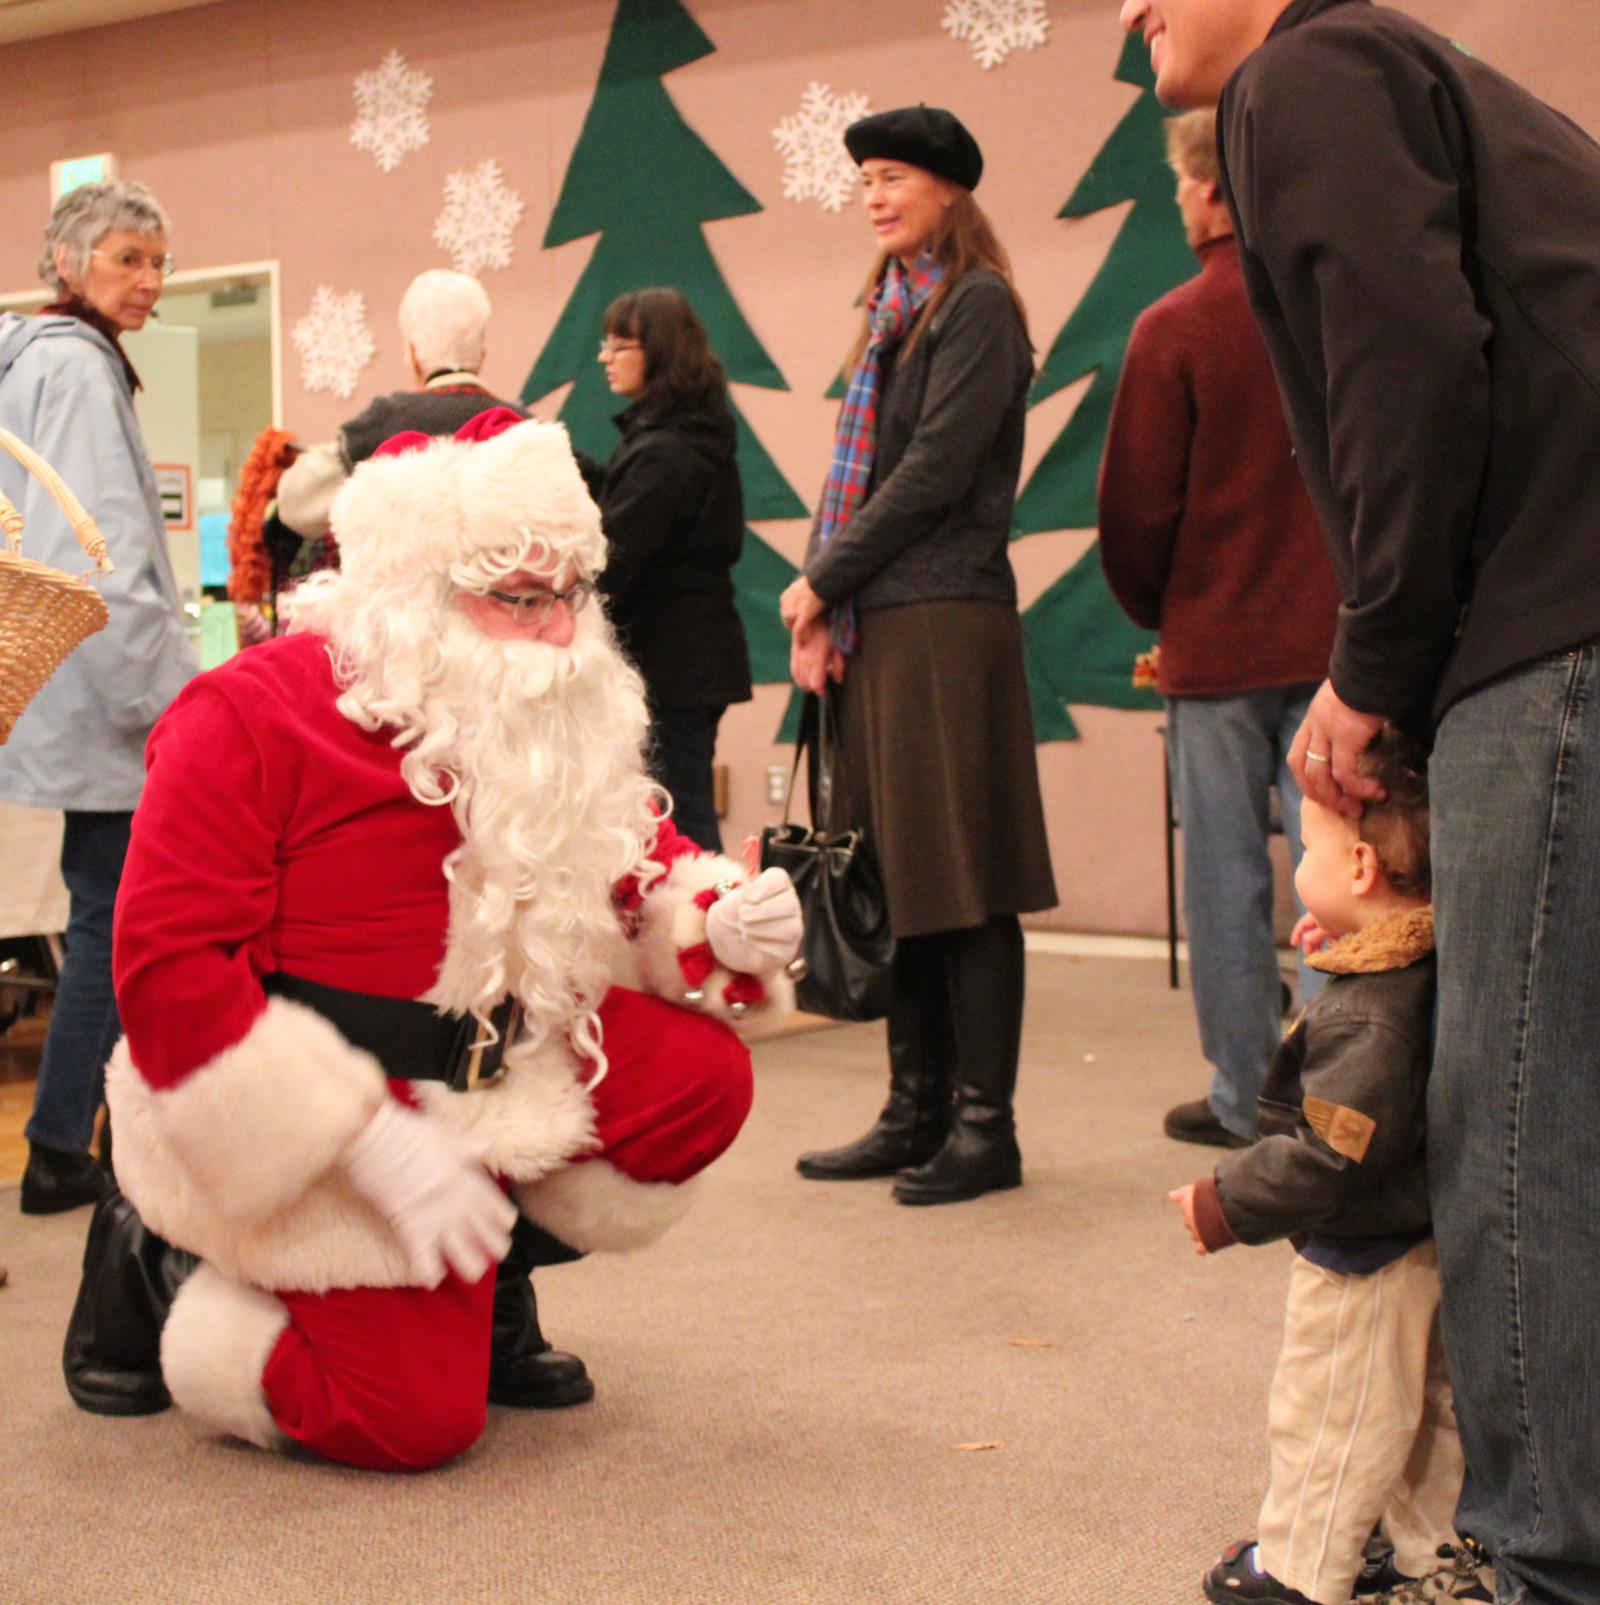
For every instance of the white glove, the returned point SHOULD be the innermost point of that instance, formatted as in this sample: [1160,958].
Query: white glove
[756,927]
[430,1185]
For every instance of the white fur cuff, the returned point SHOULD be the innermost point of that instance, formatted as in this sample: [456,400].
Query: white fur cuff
[672,933]
[593,1206]
[259,1124]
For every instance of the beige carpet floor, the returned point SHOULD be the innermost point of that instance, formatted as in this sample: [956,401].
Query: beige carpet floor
[789,1384]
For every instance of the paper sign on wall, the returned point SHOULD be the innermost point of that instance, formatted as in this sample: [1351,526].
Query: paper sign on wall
[75,170]
[175,483]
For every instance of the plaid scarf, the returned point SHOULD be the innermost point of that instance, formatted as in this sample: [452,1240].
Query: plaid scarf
[901,294]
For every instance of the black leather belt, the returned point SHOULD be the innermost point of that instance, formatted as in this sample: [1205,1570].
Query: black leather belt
[411,1040]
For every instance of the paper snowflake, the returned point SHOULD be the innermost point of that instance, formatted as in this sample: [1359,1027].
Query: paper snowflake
[996,27]
[391,110]
[478,217]
[333,341]
[817,166]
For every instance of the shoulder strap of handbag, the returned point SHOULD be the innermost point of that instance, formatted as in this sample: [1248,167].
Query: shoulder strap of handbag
[804,742]
[816,741]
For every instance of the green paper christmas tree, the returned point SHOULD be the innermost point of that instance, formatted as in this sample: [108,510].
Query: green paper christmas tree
[646,183]
[1080,646]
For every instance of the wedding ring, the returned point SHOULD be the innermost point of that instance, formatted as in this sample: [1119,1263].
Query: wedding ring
[1317,757]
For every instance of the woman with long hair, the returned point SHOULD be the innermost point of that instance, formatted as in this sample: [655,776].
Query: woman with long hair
[673,512]
[907,607]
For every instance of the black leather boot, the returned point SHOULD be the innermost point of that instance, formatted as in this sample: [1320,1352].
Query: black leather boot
[916,1119]
[56,1181]
[986,988]
[112,1355]
[524,1371]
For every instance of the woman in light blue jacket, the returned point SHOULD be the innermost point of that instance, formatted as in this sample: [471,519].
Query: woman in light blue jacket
[66,388]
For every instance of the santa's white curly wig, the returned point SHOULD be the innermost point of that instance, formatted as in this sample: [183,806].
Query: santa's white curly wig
[537,748]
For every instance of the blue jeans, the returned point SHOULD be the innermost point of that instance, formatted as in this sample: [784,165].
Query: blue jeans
[1226,755]
[683,742]
[1514,1115]
[83,1021]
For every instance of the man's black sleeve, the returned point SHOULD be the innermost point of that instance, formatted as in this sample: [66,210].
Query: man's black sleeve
[1349,170]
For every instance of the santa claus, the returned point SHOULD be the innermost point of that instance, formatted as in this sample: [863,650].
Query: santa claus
[383,877]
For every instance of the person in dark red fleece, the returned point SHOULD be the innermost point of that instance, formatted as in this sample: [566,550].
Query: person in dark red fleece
[1207,535]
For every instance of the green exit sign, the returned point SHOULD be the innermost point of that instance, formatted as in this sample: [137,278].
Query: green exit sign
[75,170]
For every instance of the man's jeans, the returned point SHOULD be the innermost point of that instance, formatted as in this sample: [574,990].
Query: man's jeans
[1514,1115]
[83,1021]
[1226,754]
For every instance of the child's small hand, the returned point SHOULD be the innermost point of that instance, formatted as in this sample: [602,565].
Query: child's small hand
[1308,935]
[1183,1197]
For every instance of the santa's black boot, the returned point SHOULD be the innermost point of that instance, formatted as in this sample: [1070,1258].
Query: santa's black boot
[112,1355]
[524,1371]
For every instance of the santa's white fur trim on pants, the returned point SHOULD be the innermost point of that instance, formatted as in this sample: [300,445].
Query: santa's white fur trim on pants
[214,1348]
[594,1207]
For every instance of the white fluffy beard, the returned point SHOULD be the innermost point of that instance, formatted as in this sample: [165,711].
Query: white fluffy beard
[537,751]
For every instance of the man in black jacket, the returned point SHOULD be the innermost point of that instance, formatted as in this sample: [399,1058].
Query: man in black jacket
[1421,245]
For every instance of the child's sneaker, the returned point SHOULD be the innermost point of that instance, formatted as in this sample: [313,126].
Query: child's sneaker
[1237,1576]
[1464,1575]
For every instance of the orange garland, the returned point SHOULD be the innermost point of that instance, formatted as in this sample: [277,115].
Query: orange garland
[250,578]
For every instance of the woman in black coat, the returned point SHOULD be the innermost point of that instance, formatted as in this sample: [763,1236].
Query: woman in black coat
[673,512]
[906,605]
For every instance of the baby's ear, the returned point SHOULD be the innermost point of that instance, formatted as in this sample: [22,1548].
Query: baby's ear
[1366,873]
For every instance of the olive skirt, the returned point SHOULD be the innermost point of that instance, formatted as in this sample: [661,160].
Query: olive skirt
[936,762]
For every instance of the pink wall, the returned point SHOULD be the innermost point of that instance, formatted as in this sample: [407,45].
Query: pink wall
[237,114]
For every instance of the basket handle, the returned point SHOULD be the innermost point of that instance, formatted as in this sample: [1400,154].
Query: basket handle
[83,526]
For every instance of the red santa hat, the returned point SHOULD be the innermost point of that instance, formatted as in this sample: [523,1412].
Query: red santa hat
[420,505]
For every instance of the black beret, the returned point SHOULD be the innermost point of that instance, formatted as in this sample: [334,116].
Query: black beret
[924,136]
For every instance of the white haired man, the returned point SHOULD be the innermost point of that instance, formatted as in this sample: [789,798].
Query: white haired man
[444,321]
[1418,238]
[383,877]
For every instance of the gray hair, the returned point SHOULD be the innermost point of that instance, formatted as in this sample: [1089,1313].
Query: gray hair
[1192,145]
[444,316]
[85,215]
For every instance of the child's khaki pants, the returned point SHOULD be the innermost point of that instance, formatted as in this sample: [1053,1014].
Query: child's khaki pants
[1360,1425]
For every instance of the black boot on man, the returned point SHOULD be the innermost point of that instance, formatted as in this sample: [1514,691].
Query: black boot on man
[57,1180]
[916,1119]
[984,972]
[112,1355]
[525,1372]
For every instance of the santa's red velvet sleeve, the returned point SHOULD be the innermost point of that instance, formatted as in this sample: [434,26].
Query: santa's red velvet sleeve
[255,1099]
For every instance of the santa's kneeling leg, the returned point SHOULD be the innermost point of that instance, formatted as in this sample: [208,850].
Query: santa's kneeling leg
[396,1378]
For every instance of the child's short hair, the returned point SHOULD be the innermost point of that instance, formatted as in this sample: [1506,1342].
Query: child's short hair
[1397,828]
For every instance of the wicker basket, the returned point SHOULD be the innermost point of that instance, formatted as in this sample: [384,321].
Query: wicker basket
[44,613]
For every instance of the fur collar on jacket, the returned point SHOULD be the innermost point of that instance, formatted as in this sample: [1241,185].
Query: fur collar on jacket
[1392,943]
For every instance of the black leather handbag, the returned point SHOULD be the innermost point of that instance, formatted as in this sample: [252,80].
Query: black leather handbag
[848,947]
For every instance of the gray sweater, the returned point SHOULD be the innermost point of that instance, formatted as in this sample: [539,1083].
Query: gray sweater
[937,518]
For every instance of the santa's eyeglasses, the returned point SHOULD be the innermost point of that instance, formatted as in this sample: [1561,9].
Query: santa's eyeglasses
[538,605]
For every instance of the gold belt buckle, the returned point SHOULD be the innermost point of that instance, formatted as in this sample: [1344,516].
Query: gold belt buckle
[476,1079]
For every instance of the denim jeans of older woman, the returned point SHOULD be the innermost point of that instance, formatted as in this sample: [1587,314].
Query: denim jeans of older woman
[83,1021]
[1514,1112]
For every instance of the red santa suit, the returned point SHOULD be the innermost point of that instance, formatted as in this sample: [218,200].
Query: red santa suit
[280,835]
